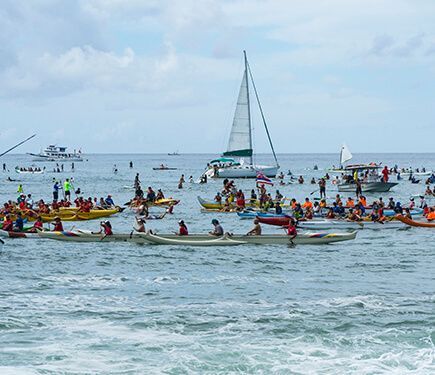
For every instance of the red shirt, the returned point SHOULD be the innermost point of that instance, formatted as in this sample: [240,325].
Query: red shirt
[291,230]
[58,227]
[107,230]
[8,225]
[183,231]
[38,224]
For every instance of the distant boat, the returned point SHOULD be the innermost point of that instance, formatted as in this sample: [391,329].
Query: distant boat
[57,153]
[31,170]
[345,156]
[176,153]
[240,142]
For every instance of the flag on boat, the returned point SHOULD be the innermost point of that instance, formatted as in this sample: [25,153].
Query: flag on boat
[262,179]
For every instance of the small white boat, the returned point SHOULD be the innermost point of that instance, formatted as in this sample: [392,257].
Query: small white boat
[416,174]
[29,170]
[326,224]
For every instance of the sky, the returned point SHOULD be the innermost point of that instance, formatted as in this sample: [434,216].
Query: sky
[156,76]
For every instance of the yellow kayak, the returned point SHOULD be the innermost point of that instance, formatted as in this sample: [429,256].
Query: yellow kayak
[76,216]
[165,202]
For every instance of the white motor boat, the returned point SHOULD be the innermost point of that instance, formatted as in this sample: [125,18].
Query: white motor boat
[57,154]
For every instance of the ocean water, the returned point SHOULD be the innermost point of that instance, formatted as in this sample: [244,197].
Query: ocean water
[360,307]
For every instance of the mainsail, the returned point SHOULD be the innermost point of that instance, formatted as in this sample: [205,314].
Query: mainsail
[345,154]
[240,142]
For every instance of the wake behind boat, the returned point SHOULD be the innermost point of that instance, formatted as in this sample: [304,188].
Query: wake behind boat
[240,143]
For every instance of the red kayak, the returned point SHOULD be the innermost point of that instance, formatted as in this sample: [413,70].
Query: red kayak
[278,221]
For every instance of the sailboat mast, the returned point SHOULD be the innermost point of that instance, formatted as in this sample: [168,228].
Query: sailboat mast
[249,108]
[261,111]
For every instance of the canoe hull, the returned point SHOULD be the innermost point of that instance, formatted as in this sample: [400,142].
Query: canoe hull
[369,187]
[414,223]
[200,239]
[243,171]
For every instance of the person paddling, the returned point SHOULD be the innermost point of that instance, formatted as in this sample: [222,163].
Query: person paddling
[218,230]
[8,224]
[58,227]
[106,227]
[256,230]
[182,230]
[291,229]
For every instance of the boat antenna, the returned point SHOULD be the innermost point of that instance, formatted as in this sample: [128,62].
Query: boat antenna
[261,111]
[249,106]
[18,144]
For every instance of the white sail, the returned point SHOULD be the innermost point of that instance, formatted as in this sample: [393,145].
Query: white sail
[345,154]
[240,137]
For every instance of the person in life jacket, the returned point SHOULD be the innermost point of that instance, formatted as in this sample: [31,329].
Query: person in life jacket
[58,227]
[106,227]
[182,230]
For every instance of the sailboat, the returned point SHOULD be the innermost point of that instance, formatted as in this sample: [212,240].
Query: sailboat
[345,156]
[240,141]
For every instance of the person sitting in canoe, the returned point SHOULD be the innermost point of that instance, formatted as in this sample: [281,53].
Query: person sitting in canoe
[330,214]
[58,226]
[307,203]
[160,195]
[291,229]
[19,223]
[298,212]
[37,225]
[428,191]
[308,214]
[352,216]
[106,227]
[431,214]
[182,230]
[217,230]
[151,195]
[109,201]
[407,213]
[8,224]
[256,230]
[278,208]
[350,202]
[218,197]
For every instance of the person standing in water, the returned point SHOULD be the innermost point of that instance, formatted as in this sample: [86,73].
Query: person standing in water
[72,167]
[181,182]
[131,165]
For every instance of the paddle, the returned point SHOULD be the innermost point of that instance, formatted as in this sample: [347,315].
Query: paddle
[18,144]
[314,191]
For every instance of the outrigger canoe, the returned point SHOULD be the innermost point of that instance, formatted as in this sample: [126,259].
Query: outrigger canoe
[199,239]
[324,224]
[212,205]
[414,223]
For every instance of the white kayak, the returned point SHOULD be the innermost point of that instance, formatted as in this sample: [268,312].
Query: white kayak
[265,239]
[199,239]
[323,224]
